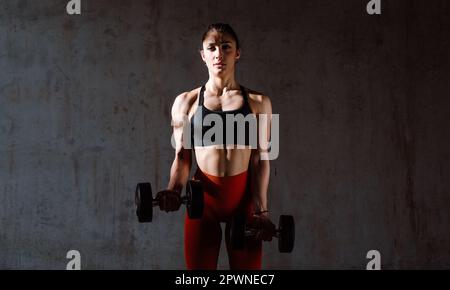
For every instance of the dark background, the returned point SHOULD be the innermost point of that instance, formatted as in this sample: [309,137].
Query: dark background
[364,139]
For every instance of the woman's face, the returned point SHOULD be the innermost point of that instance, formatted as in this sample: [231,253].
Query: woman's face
[219,53]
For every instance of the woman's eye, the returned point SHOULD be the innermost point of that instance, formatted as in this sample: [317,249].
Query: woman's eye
[211,48]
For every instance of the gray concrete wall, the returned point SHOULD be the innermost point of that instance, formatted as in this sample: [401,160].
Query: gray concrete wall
[363,103]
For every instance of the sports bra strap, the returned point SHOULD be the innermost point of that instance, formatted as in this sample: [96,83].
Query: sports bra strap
[201,98]
[244,94]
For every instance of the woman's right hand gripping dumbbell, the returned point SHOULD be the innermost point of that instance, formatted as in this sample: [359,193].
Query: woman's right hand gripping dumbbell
[169,200]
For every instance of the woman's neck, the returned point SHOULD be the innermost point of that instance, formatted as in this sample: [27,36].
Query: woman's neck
[217,85]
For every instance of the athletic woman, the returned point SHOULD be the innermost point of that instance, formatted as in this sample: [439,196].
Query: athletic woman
[235,179]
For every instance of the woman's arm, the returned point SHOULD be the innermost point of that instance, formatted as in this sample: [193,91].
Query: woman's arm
[260,169]
[179,172]
[181,165]
[170,198]
[260,175]
[260,172]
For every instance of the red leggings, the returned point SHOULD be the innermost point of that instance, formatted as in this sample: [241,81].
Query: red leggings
[223,196]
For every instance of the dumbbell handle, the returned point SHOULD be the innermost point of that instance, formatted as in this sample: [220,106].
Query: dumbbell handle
[252,233]
[155,201]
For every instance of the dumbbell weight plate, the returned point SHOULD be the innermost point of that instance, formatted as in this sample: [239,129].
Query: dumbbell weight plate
[287,233]
[144,202]
[195,202]
[237,231]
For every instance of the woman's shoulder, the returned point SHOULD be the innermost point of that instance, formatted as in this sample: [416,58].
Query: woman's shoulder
[184,101]
[187,96]
[260,102]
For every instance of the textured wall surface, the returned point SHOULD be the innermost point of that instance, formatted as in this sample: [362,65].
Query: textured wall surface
[364,112]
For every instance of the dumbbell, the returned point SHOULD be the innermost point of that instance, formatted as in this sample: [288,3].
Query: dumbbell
[145,202]
[285,232]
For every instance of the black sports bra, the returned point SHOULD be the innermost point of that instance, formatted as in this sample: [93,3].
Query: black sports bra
[207,122]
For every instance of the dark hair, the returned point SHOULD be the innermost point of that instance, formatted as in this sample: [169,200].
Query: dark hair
[222,28]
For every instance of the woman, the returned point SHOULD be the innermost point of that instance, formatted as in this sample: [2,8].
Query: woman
[233,179]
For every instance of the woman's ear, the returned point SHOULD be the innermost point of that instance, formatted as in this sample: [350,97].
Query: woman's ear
[238,55]
[202,54]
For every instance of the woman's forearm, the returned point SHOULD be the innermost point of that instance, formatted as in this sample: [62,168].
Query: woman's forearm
[260,184]
[179,172]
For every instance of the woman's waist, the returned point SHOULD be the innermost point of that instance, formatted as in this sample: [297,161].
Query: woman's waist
[222,162]
[235,184]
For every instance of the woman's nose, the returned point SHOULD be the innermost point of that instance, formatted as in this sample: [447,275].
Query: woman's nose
[218,53]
